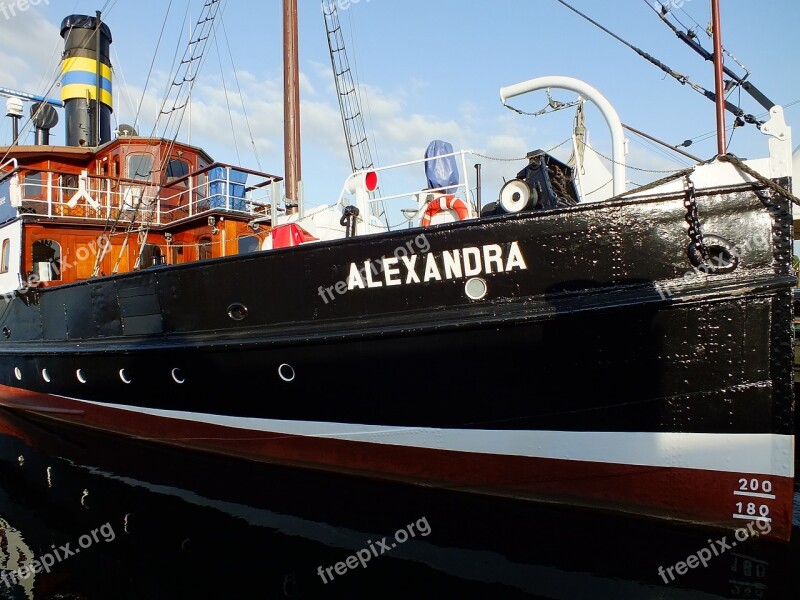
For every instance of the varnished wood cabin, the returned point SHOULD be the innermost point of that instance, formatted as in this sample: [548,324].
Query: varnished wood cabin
[155,202]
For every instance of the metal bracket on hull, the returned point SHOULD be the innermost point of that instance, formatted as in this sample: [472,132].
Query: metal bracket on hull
[780,144]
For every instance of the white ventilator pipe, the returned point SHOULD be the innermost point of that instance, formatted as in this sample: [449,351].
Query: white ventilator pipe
[591,94]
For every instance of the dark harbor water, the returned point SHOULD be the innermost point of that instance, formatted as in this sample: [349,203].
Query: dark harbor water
[98,517]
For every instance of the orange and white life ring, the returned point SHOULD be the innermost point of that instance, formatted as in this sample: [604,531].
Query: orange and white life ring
[441,203]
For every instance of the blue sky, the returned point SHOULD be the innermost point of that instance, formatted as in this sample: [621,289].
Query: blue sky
[427,69]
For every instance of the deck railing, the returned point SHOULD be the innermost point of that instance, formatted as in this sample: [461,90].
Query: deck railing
[217,187]
[406,176]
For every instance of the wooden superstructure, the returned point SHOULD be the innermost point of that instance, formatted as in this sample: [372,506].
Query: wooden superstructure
[71,213]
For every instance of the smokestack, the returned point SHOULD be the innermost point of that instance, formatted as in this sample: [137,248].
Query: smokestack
[86,59]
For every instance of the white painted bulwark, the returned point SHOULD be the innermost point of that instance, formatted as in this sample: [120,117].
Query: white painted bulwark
[11,237]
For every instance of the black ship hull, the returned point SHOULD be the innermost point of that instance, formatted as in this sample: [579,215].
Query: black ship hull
[573,355]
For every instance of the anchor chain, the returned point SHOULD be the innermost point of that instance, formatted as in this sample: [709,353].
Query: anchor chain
[726,259]
[692,218]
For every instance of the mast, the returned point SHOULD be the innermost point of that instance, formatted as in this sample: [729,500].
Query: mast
[291,109]
[719,90]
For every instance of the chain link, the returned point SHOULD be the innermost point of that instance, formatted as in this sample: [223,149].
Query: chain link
[627,166]
[693,220]
[551,106]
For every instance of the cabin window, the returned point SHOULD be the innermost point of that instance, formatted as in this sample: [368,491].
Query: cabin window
[5,259]
[249,243]
[33,186]
[140,167]
[204,248]
[69,185]
[177,168]
[46,258]
[152,255]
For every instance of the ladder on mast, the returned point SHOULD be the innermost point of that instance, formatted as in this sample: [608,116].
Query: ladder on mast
[355,134]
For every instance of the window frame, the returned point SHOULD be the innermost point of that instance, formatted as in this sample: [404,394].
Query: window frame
[56,274]
[131,173]
[5,256]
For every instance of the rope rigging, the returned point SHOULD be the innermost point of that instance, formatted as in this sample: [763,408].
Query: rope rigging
[241,97]
[171,114]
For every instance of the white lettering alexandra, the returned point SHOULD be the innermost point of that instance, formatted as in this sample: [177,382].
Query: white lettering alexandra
[448,264]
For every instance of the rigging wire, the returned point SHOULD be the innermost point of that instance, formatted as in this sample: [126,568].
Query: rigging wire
[690,37]
[682,79]
[736,123]
[53,68]
[347,90]
[705,136]
[153,62]
[108,6]
[125,92]
[365,91]
[660,150]
[227,101]
[181,83]
[241,96]
[172,81]
[709,34]
[551,107]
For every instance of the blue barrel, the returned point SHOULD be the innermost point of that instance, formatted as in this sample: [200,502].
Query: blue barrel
[226,188]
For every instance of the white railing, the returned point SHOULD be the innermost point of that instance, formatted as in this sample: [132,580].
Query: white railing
[90,197]
[12,162]
[403,176]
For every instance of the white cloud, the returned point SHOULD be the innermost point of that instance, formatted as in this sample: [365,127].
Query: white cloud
[29,47]
[30,53]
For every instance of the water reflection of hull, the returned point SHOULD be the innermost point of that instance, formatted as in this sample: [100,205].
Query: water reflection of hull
[178,514]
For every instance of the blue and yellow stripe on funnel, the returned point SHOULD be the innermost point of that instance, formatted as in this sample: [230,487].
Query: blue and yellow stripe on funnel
[78,78]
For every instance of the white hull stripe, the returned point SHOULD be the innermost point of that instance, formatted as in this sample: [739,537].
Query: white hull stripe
[762,453]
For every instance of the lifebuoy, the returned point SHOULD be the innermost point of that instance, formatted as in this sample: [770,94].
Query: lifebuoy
[444,203]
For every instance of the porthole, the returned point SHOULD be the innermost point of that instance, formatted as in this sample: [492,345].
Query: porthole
[6,332]
[286,372]
[123,375]
[17,373]
[178,376]
[46,375]
[237,311]
[80,375]
[476,288]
